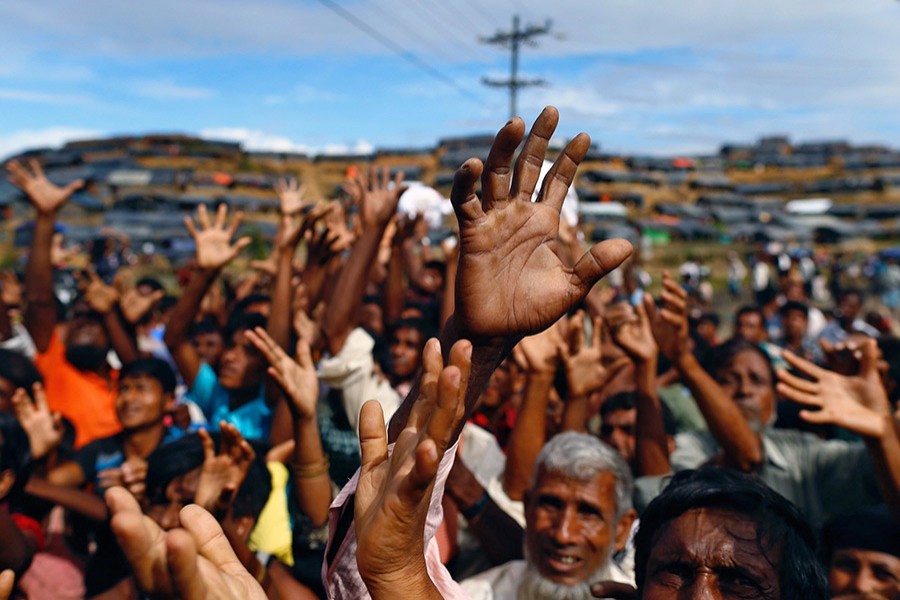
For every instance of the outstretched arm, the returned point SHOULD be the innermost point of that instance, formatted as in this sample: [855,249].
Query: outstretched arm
[741,445]
[378,205]
[510,281]
[214,251]
[47,198]
[857,403]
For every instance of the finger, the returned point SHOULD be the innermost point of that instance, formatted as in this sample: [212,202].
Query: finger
[461,358]
[576,333]
[235,223]
[189,225]
[221,216]
[497,174]
[465,202]
[531,159]
[797,383]
[40,397]
[445,415]
[7,579]
[181,557]
[209,448]
[556,184]
[804,366]
[139,537]
[798,395]
[816,417]
[432,364]
[208,536]
[617,366]
[304,355]
[36,168]
[597,262]
[597,333]
[868,360]
[373,448]
[21,404]
[240,245]
[203,216]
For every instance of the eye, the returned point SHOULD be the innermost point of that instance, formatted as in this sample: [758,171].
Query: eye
[673,575]
[882,573]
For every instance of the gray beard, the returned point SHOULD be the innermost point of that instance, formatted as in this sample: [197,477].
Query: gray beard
[535,586]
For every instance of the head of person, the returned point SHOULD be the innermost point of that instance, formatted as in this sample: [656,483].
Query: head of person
[501,386]
[431,279]
[146,393]
[750,324]
[208,341]
[618,423]
[708,328]
[850,303]
[407,340]
[371,316]
[173,473]
[241,366]
[794,320]
[146,286]
[259,304]
[745,373]
[862,552]
[16,371]
[578,513]
[15,457]
[720,533]
[86,341]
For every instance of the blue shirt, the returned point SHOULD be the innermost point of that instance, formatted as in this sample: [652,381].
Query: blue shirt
[253,419]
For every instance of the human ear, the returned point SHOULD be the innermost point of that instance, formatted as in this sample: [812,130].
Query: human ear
[623,528]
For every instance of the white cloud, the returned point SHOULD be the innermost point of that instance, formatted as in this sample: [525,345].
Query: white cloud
[164,89]
[262,141]
[42,97]
[51,137]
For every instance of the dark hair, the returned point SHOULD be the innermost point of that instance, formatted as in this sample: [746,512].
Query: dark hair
[710,317]
[748,310]
[150,282]
[155,368]
[780,528]
[20,371]
[890,350]
[239,321]
[844,293]
[864,528]
[15,453]
[437,265]
[241,305]
[725,354]
[628,401]
[793,305]
[206,325]
[186,454]
[420,325]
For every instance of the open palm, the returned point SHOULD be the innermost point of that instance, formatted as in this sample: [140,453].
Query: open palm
[511,282]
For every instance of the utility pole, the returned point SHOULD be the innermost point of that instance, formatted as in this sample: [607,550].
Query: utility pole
[512,40]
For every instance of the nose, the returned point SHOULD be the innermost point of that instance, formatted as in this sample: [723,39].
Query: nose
[865,581]
[566,527]
[704,587]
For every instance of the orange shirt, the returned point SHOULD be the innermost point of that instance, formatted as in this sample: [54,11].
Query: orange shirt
[86,399]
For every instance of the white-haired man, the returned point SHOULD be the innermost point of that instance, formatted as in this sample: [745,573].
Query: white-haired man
[578,514]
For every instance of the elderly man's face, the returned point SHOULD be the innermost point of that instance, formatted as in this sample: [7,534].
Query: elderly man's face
[711,553]
[864,572]
[571,526]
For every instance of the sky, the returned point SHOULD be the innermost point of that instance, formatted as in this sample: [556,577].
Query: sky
[640,76]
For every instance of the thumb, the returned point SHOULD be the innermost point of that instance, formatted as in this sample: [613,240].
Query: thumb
[868,362]
[600,260]
[72,187]
[373,447]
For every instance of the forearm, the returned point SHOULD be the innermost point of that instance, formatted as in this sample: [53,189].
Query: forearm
[5,322]
[499,534]
[885,454]
[528,435]
[340,316]
[394,289]
[742,446]
[187,307]
[448,305]
[651,446]
[84,503]
[313,487]
[121,339]
[575,413]
[40,302]
[278,325]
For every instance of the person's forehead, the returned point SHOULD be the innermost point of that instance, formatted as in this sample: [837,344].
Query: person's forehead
[714,537]
[600,490]
[621,415]
[139,379]
[871,557]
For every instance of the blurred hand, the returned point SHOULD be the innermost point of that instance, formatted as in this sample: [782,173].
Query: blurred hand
[296,377]
[135,306]
[213,244]
[670,324]
[223,473]
[44,429]
[46,197]
[290,195]
[99,296]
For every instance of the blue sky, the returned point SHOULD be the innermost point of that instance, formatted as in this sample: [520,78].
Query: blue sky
[640,76]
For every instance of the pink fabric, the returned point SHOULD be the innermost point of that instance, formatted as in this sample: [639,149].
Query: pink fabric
[342,578]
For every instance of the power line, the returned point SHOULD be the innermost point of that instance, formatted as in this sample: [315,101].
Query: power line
[405,54]
[414,33]
[440,24]
[513,39]
[456,14]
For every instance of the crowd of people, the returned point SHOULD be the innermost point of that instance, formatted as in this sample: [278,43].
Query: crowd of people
[371,416]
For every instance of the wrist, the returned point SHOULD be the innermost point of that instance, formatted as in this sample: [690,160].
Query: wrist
[473,510]
[411,581]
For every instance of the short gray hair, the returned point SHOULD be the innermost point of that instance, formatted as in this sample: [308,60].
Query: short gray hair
[582,457]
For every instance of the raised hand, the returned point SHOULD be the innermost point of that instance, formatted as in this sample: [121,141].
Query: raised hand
[511,282]
[857,403]
[213,241]
[134,476]
[540,352]
[44,429]
[670,324]
[99,296]
[296,377]
[135,305]
[290,195]
[393,494]
[223,473]
[378,203]
[194,563]
[46,196]
[632,331]
[585,372]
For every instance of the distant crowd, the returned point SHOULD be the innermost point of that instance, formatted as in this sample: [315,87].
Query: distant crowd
[370,413]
